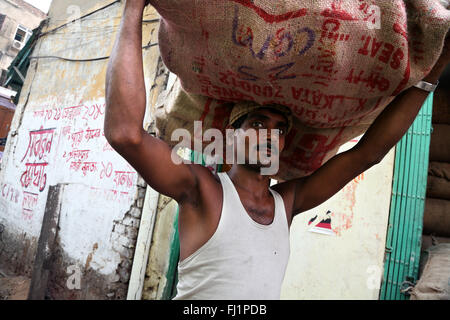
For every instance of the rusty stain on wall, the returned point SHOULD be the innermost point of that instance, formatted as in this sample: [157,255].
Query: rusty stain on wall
[89,258]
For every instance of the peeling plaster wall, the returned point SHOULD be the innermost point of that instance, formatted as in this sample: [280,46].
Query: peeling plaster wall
[57,137]
[158,260]
[62,12]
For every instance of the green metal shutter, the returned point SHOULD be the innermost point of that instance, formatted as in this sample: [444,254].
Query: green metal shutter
[404,233]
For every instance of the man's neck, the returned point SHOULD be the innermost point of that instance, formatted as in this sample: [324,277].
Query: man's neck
[250,180]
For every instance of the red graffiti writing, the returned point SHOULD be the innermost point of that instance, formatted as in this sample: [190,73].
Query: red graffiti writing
[29,204]
[79,155]
[359,178]
[38,114]
[34,174]
[124,178]
[66,131]
[113,195]
[76,138]
[94,111]
[72,112]
[107,147]
[106,171]
[10,193]
[40,144]
[85,167]
[92,134]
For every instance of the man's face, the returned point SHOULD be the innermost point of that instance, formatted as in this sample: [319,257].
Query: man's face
[267,142]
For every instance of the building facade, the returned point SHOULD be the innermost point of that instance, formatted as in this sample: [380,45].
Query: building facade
[101,196]
[17,21]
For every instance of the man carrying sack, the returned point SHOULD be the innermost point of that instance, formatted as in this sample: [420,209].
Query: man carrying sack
[234,227]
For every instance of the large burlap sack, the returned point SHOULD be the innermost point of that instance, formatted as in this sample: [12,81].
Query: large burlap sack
[434,282]
[440,143]
[441,105]
[438,185]
[439,169]
[438,188]
[427,242]
[336,64]
[436,219]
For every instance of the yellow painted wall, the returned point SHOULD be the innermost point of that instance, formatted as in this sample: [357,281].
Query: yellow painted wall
[348,264]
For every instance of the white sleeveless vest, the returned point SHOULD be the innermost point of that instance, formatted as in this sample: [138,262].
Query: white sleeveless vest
[243,260]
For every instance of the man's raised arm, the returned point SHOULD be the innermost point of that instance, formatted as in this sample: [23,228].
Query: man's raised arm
[125,110]
[383,134]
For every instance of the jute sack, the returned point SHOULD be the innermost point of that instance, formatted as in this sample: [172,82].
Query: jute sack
[436,219]
[440,143]
[427,242]
[438,185]
[439,169]
[336,64]
[441,105]
[308,147]
[434,282]
[438,188]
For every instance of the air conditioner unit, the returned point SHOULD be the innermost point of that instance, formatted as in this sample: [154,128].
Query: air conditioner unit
[17,45]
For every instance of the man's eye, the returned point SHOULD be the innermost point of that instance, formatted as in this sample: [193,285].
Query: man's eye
[257,124]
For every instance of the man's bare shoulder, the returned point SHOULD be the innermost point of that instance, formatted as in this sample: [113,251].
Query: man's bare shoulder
[208,185]
[288,191]
[204,174]
[285,188]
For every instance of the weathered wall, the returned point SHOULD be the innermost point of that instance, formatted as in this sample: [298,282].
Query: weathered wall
[57,137]
[347,264]
[158,260]
[62,12]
